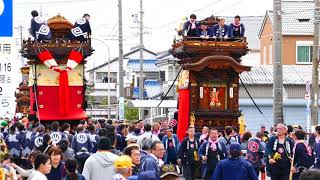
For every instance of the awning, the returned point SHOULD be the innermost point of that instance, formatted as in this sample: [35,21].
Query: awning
[153,88]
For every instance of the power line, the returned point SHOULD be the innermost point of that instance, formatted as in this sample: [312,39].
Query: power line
[221,10]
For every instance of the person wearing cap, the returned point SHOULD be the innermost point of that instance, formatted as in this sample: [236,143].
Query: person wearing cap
[278,154]
[134,134]
[123,167]
[169,172]
[147,175]
[99,166]
[210,153]
[188,154]
[131,139]
[133,152]
[234,168]
[171,145]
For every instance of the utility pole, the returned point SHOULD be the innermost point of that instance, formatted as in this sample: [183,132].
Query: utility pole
[277,63]
[121,90]
[141,89]
[20,28]
[315,64]
[21,39]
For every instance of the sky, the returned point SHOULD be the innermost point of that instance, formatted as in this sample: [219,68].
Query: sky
[160,18]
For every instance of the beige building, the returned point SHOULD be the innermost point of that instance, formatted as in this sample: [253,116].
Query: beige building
[297,33]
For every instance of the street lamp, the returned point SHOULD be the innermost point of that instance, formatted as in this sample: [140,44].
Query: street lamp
[108,48]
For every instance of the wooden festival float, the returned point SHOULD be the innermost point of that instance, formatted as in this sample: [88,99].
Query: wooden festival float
[209,82]
[57,73]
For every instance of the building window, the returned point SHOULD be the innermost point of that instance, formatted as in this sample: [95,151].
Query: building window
[264,59]
[270,55]
[102,77]
[163,76]
[6,48]
[304,52]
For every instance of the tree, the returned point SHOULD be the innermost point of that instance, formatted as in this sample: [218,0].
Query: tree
[131,114]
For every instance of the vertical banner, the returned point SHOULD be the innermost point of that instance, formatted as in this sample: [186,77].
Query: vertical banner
[6,29]
[183,104]
[183,113]
[121,108]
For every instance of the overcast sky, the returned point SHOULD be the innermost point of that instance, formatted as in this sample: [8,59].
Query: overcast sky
[160,17]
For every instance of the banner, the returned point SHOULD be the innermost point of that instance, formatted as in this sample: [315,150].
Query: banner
[183,113]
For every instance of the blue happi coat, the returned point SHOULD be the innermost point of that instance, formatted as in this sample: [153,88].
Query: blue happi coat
[14,144]
[39,29]
[80,141]
[81,29]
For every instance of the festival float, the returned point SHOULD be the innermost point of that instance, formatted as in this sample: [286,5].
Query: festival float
[56,69]
[208,85]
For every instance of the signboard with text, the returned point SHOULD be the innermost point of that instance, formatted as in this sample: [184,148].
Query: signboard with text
[9,74]
[121,109]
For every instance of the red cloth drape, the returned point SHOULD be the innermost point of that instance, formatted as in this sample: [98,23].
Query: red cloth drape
[44,56]
[64,94]
[183,114]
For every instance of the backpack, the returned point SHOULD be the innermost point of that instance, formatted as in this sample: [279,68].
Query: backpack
[309,158]
[228,141]
[309,161]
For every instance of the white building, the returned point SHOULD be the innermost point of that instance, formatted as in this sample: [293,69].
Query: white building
[98,76]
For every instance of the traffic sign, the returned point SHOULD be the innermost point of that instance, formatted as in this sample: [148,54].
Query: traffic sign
[6,18]
[308,91]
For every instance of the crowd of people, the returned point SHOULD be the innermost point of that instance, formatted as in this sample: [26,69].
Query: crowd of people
[219,29]
[106,150]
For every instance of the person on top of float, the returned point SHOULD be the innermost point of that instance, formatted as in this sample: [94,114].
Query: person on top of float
[236,28]
[220,30]
[81,29]
[39,28]
[190,27]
